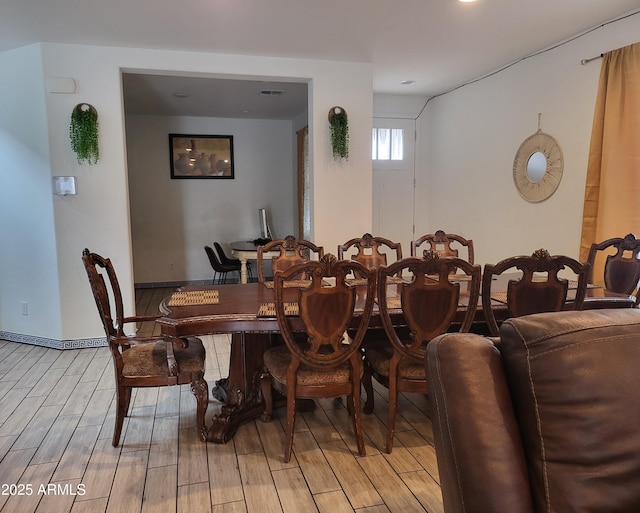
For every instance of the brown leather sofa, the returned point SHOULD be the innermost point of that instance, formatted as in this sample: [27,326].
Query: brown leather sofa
[545,420]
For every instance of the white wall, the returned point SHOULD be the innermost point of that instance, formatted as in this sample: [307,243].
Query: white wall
[28,259]
[98,216]
[469,138]
[172,220]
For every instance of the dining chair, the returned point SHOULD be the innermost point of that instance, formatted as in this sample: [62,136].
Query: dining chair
[431,299]
[231,262]
[220,270]
[446,244]
[621,270]
[321,365]
[372,252]
[291,251]
[143,361]
[534,286]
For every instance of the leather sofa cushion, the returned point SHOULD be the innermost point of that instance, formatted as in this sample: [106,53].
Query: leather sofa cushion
[574,379]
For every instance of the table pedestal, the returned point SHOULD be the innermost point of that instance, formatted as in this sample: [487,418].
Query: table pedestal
[241,390]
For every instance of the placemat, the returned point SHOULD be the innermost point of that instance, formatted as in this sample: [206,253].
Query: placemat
[500,297]
[452,277]
[194,297]
[289,284]
[269,309]
[363,281]
[459,277]
[573,284]
[394,303]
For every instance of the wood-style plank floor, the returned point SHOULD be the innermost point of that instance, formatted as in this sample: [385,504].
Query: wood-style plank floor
[56,423]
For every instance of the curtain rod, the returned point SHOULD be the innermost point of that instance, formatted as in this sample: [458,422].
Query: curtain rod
[587,61]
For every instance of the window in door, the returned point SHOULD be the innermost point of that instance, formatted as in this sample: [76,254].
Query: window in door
[387,144]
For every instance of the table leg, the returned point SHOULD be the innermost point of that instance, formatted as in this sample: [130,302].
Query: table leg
[241,390]
[243,269]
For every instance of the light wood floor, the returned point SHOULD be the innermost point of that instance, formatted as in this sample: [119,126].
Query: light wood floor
[56,423]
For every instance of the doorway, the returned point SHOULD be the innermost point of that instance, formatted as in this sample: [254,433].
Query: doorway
[394,179]
[172,219]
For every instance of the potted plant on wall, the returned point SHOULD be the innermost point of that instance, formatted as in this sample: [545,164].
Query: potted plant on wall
[339,127]
[83,132]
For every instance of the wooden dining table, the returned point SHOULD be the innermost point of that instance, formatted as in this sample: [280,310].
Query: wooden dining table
[246,312]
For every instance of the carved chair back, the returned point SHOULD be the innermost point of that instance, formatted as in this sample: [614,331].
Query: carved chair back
[290,252]
[370,251]
[446,244]
[431,296]
[621,269]
[537,289]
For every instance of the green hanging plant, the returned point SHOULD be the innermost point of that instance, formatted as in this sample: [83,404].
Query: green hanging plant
[83,132]
[339,127]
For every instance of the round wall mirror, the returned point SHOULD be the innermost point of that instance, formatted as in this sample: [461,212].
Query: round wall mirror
[537,167]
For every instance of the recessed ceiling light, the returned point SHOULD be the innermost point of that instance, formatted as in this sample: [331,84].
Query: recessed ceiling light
[408,82]
[466,1]
[181,94]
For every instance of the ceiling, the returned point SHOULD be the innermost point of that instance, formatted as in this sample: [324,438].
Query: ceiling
[437,44]
[223,98]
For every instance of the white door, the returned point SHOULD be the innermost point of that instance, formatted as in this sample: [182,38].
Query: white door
[393,181]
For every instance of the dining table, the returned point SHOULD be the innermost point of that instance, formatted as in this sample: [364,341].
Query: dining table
[245,250]
[246,312]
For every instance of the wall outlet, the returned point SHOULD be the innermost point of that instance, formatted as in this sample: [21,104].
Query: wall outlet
[25,308]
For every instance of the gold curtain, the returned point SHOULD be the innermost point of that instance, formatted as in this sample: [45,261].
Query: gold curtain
[611,200]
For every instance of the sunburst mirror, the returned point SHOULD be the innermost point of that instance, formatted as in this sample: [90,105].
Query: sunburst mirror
[537,167]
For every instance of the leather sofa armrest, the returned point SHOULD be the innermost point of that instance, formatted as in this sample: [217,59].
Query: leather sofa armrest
[478,445]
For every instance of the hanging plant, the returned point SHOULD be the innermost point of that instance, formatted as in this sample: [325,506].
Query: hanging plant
[83,132]
[339,126]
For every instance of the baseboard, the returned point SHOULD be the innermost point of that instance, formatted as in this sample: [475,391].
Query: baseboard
[176,284]
[53,343]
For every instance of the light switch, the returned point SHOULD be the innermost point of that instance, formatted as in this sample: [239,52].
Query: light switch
[64,185]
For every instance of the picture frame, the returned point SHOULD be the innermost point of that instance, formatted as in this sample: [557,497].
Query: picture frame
[201,156]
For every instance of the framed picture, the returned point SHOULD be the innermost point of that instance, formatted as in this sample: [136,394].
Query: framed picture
[201,156]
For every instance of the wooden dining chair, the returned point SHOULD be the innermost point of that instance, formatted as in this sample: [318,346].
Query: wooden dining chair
[535,286]
[621,270]
[291,251]
[322,364]
[372,252]
[446,244]
[143,361]
[430,300]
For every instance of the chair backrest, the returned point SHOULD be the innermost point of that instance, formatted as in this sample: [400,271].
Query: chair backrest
[537,288]
[370,251]
[105,292]
[621,269]
[431,296]
[290,252]
[215,262]
[222,256]
[442,243]
[326,307]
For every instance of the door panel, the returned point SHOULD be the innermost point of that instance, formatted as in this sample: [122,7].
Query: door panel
[393,188]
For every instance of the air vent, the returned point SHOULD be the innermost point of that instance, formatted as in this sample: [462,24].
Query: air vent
[270,92]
